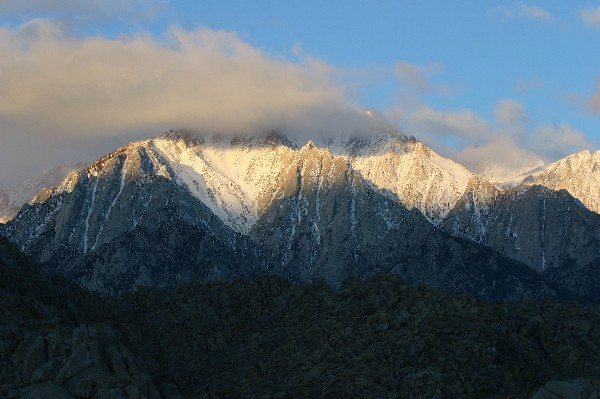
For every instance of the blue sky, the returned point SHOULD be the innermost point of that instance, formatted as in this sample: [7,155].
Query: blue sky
[494,85]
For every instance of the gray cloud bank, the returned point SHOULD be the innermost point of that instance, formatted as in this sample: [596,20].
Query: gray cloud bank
[65,99]
[498,150]
[55,87]
[203,79]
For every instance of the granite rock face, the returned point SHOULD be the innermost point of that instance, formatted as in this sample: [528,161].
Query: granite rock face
[548,230]
[180,208]
[45,353]
[569,389]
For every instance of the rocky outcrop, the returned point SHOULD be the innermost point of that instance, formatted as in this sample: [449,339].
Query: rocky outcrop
[569,389]
[46,353]
[533,224]
[578,173]
[550,231]
[86,362]
[183,207]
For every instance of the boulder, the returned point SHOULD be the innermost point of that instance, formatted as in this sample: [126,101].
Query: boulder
[569,389]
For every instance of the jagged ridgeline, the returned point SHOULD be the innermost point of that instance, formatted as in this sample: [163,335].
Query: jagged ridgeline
[186,207]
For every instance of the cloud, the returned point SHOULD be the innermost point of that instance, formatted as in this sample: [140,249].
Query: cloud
[527,86]
[534,12]
[500,158]
[414,75]
[522,10]
[54,84]
[591,17]
[510,112]
[416,81]
[471,140]
[557,141]
[595,103]
[463,126]
[498,150]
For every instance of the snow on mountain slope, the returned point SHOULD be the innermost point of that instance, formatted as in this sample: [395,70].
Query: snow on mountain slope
[182,207]
[506,177]
[578,173]
[409,172]
[11,201]
[236,181]
[229,179]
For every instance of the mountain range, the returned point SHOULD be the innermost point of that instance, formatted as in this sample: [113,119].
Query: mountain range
[183,206]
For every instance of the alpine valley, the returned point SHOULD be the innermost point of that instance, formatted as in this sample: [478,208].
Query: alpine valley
[189,207]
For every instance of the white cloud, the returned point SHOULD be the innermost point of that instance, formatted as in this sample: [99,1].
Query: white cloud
[417,81]
[509,112]
[497,150]
[535,12]
[500,158]
[591,16]
[522,10]
[527,86]
[463,125]
[59,85]
[82,97]
[414,75]
[557,141]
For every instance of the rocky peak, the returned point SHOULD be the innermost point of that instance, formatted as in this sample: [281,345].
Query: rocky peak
[578,173]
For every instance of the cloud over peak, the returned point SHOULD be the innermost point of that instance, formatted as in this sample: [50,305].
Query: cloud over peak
[201,79]
[510,112]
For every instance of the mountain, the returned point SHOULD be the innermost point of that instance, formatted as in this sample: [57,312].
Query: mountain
[578,173]
[551,231]
[11,201]
[182,207]
[407,171]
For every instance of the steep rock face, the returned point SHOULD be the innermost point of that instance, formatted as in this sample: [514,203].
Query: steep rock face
[123,221]
[579,174]
[468,218]
[545,229]
[11,201]
[326,221]
[180,207]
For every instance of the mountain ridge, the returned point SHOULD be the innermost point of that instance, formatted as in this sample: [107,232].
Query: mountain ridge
[265,204]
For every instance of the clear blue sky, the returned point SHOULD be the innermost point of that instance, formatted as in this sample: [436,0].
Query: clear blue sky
[431,67]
